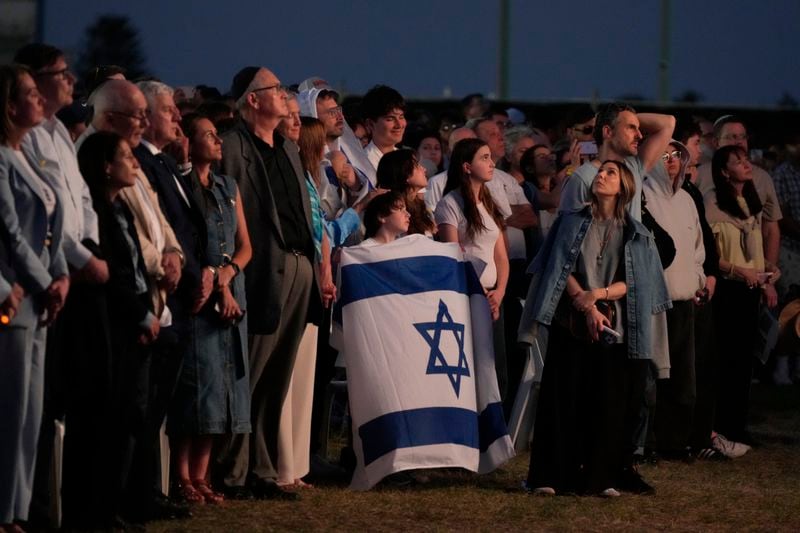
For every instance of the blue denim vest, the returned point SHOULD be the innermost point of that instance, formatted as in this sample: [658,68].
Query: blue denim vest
[646,289]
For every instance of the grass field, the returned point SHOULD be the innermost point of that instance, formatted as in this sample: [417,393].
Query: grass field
[759,492]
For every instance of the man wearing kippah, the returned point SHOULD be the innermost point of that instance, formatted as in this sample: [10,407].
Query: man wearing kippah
[280,283]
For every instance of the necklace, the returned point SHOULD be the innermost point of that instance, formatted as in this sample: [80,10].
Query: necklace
[604,240]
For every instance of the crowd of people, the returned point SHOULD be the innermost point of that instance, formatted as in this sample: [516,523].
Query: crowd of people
[168,256]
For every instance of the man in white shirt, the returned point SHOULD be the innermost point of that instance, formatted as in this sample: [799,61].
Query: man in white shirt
[383,109]
[51,143]
[74,340]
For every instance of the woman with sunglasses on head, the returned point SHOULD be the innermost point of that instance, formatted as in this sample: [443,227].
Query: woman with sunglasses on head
[213,392]
[747,280]
[583,303]
[34,282]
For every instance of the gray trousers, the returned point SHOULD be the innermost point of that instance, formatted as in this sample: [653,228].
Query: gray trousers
[21,400]
[271,359]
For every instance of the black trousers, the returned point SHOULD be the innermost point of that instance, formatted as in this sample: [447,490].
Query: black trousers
[324,370]
[515,355]
[588,408]
[705,364]
[736,323]
[78,391]
[676,396]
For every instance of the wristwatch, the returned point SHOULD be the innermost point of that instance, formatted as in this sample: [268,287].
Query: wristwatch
[235,268]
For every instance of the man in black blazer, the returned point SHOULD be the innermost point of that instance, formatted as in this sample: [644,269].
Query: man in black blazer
[184,216]
[281,286]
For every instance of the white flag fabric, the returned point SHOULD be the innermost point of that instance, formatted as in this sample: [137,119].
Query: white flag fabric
[415,330]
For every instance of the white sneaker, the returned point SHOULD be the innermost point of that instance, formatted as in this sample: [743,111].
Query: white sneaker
[729,448]
[610,493]
[544,491]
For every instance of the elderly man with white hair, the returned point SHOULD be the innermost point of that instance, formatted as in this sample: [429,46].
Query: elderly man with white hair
[280,282]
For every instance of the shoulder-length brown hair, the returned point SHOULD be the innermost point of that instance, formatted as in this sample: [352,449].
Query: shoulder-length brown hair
[311,144]
[726,193]
[627,190]
[393,172]
[9,91]
[458,180]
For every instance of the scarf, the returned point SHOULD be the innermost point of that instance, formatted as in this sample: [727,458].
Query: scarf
[749,227]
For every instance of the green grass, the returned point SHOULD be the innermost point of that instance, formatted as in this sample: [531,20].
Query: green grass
[759,492]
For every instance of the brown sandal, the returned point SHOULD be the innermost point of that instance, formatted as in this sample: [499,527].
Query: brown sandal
[189,493]
[207,493]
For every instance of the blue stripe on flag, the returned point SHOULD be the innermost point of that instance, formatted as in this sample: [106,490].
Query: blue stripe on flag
[418,427]
[491,425]
[408,275]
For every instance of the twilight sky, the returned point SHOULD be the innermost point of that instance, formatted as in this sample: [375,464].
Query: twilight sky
[737,52]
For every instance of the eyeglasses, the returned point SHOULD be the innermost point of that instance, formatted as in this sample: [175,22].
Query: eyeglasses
[332,112]
[448,127]
[545,157]
[141,116]
[676,154]
[586,130]
[504,124]
[278,88]
[63,73]
[735,137]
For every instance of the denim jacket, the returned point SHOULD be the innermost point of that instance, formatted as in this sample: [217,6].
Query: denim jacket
[646,289]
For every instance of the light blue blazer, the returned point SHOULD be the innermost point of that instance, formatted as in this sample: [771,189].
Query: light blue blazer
[23,232]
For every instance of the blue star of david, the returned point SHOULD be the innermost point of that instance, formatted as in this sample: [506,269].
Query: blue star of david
[437,364]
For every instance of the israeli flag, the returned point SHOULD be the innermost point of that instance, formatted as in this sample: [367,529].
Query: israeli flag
[415,330]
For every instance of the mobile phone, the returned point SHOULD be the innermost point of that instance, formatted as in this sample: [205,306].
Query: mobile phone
[588,148]
[610,336]
[764,277]
[702,298]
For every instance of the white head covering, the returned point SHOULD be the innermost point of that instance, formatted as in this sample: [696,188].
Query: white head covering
[310,90]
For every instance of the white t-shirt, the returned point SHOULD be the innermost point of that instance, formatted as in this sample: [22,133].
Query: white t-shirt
[480,249]
[435,190]
[514,196]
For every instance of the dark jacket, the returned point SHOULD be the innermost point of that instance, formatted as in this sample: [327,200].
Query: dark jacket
[264,273]
[186,220]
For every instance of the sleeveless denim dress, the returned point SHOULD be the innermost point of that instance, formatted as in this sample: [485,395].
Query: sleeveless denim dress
[213,393]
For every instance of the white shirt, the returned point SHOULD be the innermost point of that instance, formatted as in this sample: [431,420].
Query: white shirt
[50,145]
[514,195]
[435,188]
[480,249]
[374,154]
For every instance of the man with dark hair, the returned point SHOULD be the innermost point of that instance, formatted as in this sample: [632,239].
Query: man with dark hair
[280,281]
[384,111]
[74,335]
[619,137]
[730,130]
[618,133]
